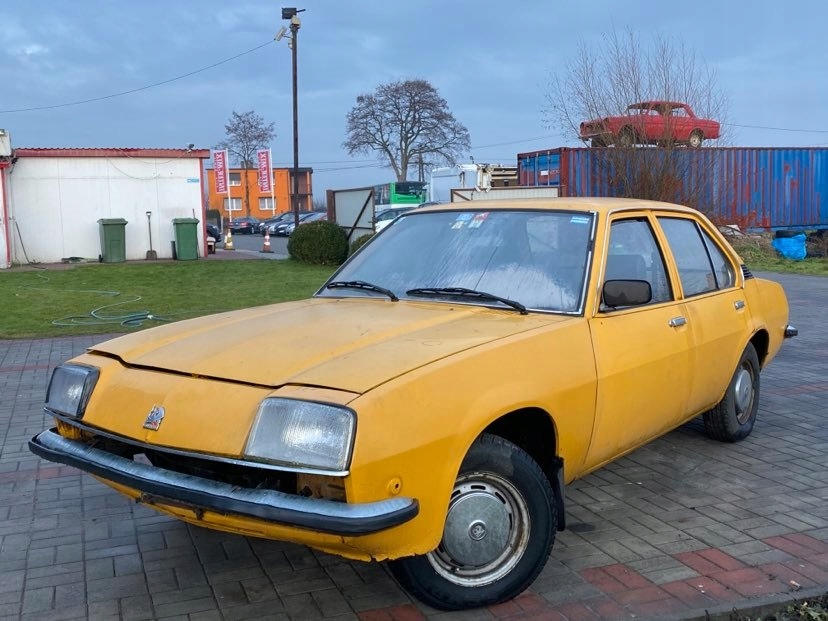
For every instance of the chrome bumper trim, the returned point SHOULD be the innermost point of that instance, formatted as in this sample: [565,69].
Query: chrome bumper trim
[310,513]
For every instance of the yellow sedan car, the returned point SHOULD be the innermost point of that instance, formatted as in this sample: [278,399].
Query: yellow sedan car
[429,404]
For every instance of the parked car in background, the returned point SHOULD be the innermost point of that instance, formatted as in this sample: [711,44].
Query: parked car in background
[265,225]
[245,225]
[385,215]
[284,229]
[213,231]
[314,216]
[430,412]
[651,122]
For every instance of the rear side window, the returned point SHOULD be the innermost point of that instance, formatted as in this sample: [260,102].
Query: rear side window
[702,266]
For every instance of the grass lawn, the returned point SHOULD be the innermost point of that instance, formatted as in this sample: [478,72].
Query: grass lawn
[760,256]
[60,301]
[109,298]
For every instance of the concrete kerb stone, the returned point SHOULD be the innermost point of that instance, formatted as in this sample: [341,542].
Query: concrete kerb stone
[760,608]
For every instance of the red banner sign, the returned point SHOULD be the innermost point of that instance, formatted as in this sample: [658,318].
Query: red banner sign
[263,157]
[220,168]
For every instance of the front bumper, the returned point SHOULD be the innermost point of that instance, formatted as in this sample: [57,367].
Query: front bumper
[315,514]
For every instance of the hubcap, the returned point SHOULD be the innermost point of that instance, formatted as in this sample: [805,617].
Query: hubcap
[743,394]
[486,531]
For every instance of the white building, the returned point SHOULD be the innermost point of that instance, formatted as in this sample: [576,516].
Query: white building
[51,201]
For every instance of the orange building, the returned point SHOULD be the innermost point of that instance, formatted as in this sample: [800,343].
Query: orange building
[244,182]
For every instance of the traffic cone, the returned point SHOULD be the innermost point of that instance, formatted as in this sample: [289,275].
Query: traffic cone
[228,240]
[266,245]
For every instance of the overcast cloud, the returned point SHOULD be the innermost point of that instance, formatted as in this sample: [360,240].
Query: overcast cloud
[489,60]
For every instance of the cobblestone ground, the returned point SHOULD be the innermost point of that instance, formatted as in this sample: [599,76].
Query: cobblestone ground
[678,527]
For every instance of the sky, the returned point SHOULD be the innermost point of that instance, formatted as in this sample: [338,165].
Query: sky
[166,73]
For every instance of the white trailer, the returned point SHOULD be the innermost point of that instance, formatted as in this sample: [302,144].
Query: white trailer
[473,194]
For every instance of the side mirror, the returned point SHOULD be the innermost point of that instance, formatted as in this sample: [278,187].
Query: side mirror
[617,293]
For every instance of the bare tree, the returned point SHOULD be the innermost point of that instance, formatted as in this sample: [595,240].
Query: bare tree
[246,133]
[407,123]
[599,82]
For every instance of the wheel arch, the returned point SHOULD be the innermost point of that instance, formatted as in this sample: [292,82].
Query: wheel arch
[533,430]
[761,343]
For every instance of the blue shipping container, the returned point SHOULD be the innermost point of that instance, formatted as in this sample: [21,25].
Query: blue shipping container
[772,188]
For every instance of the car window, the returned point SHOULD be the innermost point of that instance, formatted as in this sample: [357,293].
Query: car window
[722,267]
[701,264]
[634,254]
[386,215]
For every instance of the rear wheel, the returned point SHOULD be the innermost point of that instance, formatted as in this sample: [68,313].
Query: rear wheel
[696,138]
[734,416]
[499,530]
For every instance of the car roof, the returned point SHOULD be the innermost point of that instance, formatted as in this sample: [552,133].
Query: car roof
[656,102]
[599,205]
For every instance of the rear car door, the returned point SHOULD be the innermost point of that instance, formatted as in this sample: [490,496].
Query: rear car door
[714,298]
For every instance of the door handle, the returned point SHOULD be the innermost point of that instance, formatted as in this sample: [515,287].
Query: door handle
[739,304]
[675,322]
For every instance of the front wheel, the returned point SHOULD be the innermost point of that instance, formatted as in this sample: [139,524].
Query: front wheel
[499,531]
[732,419]
[696,139]
[627,137]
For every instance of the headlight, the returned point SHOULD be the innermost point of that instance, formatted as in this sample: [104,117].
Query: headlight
[302,434]
[70,388]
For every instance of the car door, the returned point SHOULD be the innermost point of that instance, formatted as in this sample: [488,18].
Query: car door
[715,303]
[682,124]
[655,122]
[643,353]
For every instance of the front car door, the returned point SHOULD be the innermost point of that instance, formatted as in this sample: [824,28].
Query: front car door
[643,353]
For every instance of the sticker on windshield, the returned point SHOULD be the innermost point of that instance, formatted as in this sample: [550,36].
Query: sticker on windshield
[478,219]
[461,219]
[579,219]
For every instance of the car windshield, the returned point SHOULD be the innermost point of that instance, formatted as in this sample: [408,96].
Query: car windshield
[536,258]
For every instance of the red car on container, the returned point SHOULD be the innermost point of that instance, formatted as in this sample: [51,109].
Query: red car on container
[651,122]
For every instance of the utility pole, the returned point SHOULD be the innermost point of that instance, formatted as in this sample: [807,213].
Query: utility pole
[291,13]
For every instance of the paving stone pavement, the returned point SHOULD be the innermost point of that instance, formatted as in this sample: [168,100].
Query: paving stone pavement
[680,526]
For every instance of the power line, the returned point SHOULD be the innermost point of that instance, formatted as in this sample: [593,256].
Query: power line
[503,144]
[780,129]
[141,88]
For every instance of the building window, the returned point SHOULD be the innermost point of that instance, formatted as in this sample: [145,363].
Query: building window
[235,205]
[265,203]
[235,178]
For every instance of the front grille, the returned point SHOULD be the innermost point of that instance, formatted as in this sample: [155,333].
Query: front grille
[239,475]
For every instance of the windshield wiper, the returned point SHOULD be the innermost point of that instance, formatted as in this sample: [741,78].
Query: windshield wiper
[470,293]
[361,284]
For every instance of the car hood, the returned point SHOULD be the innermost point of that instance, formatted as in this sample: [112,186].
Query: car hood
[351,344]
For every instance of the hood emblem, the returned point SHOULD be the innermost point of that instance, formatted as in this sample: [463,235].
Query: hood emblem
[154,418]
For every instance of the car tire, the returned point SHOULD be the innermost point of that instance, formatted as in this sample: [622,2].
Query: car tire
[696,138]
[626,138]
[499,531]
[732,419]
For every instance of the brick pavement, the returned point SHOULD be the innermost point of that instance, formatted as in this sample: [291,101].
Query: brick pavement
[680,526]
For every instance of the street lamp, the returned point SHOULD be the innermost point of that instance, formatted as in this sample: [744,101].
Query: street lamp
[292,14]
